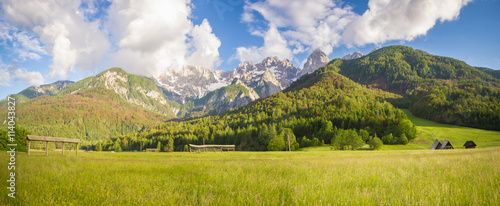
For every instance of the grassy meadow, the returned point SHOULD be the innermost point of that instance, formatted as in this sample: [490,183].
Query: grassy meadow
[396,175]
[428,131]
[404,177]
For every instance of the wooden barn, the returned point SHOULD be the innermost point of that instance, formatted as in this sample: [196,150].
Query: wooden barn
[470,145]
[436,145]
[446,145]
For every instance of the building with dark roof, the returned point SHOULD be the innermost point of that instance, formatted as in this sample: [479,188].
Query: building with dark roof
[446,145]
[436,145]
[470,145]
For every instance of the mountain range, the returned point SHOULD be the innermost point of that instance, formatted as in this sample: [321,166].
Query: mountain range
[437,88]
[190,90]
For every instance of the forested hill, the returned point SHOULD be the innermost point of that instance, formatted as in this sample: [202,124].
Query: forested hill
[34,92]
[90,115]
[438,88]
[322,107]
[492,72]
[135,89]
[400,68]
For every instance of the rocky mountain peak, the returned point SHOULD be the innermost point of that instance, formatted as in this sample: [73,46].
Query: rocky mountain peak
[269,77]
[59,84]
[286,63]
[316,60]
[354,55]
[270,61]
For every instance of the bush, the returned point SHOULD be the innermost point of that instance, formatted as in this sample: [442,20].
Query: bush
[403,140]
[276,144]
[375,143]
[388,139]
[347,139]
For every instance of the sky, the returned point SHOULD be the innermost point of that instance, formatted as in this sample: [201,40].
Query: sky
[43,41]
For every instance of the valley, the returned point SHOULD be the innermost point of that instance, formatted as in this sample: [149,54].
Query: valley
[320,106]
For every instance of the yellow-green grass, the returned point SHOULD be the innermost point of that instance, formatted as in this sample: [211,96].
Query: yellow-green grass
[393,177]
[428,131]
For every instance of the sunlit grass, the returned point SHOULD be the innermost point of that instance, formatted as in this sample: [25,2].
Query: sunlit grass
[428,131]
[465,177]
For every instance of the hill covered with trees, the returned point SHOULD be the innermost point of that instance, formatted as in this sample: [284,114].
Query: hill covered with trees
[321,108]
[89,115]
[345,103]
[438,88]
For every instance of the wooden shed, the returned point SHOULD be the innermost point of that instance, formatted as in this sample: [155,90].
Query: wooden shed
[51,139]
[446,145]
[436,145]
[214,148]
[470,145]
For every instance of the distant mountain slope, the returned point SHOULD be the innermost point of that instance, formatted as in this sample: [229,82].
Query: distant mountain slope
[316,60]
[399,68]
[235,95]
[135,89]
[91,114]
[320,107]
[33,91]
[437,88]
[492,72]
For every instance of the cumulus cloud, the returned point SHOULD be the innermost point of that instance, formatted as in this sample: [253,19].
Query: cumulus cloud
[274,45]
[25,45]
[72,41]
[205,46]
[387,20]
[143,37]
[305,25]
[13,72]
[326,24]
[156,35]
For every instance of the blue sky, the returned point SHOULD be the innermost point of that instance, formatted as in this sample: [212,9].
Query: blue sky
[43,41]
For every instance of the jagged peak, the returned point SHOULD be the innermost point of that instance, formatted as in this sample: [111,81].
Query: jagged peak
[270,60]
[318,51]
[237,81]
[354,55]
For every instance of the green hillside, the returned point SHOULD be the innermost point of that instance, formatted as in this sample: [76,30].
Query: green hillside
[323,107]
[428,131]
[34,92]
[92,114]
[135,89]
[437,88]
[492,72]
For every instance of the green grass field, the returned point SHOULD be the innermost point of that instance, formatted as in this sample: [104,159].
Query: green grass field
[397,175]
[428,131]
[404,177]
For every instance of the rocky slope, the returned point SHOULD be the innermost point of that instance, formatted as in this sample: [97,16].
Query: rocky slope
[354,55]
[34,91]
[317,59]
[135,89]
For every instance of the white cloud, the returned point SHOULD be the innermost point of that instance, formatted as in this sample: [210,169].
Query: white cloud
[307,25]
[143,37]
[326,24]
[156,35]
[387,20]
[274,45]
[25,45]
[13,72]
[205,45]
[72,41]
[4,77]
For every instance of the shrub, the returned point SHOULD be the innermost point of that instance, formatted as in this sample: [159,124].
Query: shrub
[375,143]
[276,144]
